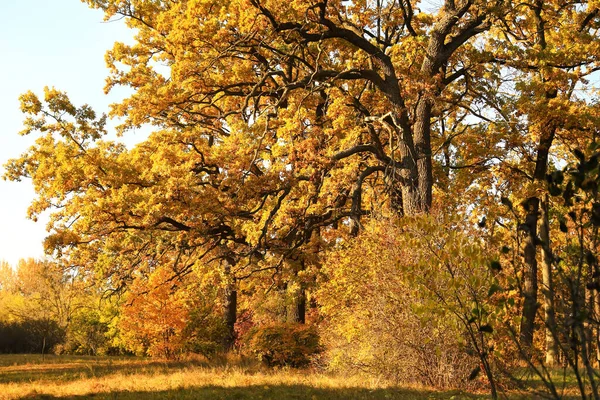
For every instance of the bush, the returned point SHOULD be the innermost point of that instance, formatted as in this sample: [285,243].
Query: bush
[283,344]
[394,301]
[87,334]
[204,333]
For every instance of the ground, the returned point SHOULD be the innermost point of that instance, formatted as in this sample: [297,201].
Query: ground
[71,377]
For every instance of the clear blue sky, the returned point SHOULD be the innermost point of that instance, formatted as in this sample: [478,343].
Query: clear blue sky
[58,43]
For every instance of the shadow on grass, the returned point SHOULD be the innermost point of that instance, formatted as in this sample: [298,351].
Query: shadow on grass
[280,392]
[66,372]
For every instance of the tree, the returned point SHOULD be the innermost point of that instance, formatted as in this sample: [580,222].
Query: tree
[545,106]
[165,317]
[281,128]
[268,130]
[41,302]
[313,91]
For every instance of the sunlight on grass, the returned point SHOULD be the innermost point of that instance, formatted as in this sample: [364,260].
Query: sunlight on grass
[131,378]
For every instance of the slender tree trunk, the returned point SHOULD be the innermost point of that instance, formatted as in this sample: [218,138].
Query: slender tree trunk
[229,308]
[547,128]
[597,337]
[532,208]
[530,282]
[548,288]
[590,299]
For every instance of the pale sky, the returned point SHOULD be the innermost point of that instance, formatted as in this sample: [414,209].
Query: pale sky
[58,43]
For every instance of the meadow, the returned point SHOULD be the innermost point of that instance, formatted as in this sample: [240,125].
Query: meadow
[80,377]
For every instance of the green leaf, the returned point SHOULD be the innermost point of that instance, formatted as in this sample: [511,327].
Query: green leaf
[592,163]
[573,216]
[481,223]
[595,214]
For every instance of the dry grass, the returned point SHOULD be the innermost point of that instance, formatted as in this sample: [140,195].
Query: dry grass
[136,378]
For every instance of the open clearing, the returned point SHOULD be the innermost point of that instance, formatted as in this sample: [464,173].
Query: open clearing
[69,377]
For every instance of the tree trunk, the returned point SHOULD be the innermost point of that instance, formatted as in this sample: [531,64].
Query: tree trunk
[530,282]
[298,312]
[229,308]
[548,288]
[532,208]
[423,149]
[597,315]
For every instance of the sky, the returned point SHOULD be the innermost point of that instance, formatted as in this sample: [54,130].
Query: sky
[58,43]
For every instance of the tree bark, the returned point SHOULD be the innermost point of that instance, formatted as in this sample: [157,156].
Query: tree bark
[530,282]
[597,315]
[298,312]
[229,308]
[548,288]
[423,150]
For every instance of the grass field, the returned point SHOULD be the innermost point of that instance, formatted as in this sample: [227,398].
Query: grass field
[70,377]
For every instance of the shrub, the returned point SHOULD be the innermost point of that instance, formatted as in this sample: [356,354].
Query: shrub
[395,301]
[87,334]
[204,333]
[283,344]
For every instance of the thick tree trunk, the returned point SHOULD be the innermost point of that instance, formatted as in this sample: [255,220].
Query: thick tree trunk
[424,161]
[548,288]
[414,136]
[432,67]
[409,173]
